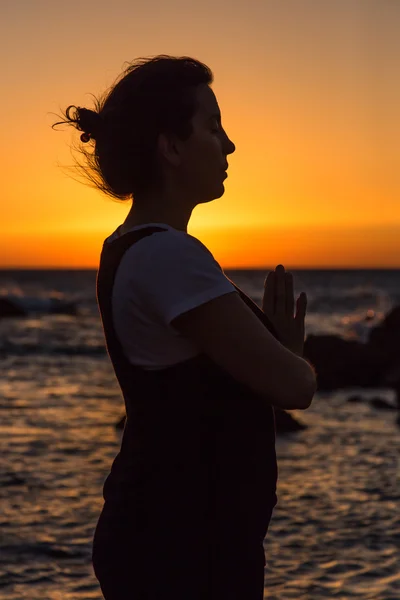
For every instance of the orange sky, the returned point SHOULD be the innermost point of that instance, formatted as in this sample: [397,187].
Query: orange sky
[309,93]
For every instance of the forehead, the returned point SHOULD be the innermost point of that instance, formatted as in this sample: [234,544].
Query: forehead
[207,104]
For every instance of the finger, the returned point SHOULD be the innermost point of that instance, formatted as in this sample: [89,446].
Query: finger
[289,295]
[280,290]
[301,307]
[268,304]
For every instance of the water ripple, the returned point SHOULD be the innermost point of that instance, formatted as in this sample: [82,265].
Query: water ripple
[335,532]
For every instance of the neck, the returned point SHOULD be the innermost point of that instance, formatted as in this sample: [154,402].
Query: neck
[175,217]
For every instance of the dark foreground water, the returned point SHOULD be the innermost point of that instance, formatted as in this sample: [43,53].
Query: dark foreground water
[336,530]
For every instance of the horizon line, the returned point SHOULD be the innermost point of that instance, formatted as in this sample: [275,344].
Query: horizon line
[254,268]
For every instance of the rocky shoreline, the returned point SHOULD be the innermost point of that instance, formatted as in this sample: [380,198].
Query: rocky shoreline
[339,363]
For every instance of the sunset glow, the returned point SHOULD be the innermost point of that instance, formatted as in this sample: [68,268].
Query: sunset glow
[309,93]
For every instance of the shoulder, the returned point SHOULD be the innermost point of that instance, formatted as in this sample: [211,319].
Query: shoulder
[162,247]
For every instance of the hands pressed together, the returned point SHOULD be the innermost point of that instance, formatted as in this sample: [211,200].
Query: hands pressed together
[278,305]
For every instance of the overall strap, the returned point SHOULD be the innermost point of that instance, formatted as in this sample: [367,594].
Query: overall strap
[111,256]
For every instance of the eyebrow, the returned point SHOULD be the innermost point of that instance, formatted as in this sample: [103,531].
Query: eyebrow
[215,116]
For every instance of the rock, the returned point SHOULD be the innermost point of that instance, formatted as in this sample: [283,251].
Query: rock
[286,423]
[15,306]
[62,307]
[397,392]
[386,336]
[355,398]
[121,423]
[10,309]
[341,363]
[382,404]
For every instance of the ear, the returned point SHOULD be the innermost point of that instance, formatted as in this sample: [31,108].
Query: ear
[167,149]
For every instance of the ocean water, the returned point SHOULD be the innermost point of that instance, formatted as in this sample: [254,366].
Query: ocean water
[335,532]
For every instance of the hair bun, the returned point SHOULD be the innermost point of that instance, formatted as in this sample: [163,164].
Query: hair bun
[89,122]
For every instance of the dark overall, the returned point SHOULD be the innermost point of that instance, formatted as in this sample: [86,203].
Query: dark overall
[190,494]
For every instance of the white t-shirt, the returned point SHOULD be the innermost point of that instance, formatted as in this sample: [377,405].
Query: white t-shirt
[160,277]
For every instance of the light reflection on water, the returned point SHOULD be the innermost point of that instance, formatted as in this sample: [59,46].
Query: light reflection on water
[334,534]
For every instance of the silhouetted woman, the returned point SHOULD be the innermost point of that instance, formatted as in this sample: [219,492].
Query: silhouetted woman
[191,492]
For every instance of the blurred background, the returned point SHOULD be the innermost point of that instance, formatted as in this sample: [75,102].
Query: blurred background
[309,93]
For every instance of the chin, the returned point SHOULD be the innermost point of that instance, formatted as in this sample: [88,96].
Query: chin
[217,193]
[222,187]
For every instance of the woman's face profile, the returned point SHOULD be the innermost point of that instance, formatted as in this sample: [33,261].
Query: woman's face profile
[210,145]
[201,160]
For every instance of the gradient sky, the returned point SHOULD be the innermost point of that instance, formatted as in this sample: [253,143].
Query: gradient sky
[309,92]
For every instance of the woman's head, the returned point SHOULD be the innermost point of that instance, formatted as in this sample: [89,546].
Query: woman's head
[153,129]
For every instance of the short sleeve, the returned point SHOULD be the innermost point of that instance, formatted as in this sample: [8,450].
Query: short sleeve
[178,274]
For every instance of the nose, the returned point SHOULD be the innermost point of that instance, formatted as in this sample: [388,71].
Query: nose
[230,147]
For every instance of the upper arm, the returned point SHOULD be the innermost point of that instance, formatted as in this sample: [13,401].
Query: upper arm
[228,331]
